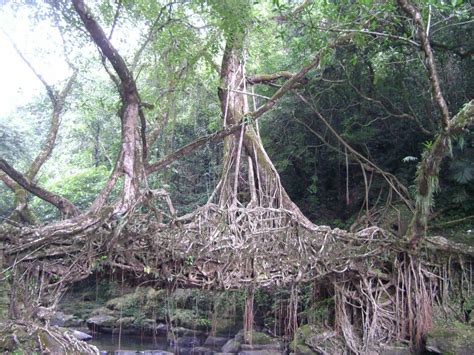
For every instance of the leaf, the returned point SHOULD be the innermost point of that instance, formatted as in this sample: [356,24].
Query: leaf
[462,171]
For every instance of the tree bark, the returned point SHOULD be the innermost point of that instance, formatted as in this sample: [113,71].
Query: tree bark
[234,107]
[62,204]
[129,162]
[428,168]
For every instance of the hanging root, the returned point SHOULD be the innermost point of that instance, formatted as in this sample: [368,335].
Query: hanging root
[382,293]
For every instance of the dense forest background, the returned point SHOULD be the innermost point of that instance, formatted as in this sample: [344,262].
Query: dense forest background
[373,91]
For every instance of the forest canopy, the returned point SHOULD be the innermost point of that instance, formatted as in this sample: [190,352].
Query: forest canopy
[373,89]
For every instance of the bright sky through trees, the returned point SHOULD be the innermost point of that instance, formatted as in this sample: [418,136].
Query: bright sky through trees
[19,83]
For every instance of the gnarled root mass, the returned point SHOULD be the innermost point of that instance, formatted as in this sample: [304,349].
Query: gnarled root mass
[30,338]
[382,293]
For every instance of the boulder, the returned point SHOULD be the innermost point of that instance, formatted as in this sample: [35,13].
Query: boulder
[186,342]
[215,342]
[261,352]
[456,339]
[102,323]
[231,346]
[81,335]
[60,319]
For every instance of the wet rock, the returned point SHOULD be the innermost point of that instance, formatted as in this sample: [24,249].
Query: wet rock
[395,350]
[60,319]
[151,327]
[102,323]
[215,342]
[81,335]
[202,350]
[181,331]
[186,342]
[232,346]
[260,352]
[456,340]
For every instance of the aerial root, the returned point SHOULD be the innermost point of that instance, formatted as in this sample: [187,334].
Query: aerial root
[381,292]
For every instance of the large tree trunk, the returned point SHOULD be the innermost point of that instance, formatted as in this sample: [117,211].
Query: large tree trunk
[249,176]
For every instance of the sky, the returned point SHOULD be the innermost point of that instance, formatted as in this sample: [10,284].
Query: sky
[19,84]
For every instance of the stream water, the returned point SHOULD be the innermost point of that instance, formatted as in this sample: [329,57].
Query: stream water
[109,344]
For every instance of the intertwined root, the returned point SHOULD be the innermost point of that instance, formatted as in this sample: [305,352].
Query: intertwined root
[381,292]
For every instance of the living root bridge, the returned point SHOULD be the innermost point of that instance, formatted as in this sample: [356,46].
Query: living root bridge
[215,248]
[247,247]
[382,293]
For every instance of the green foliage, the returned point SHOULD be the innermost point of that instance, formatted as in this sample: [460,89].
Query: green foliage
[81,188]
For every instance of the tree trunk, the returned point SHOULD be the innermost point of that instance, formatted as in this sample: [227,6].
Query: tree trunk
[263,183]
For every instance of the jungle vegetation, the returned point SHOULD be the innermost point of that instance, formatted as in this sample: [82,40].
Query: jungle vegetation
[352,114]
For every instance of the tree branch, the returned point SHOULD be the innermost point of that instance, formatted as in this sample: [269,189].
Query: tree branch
[48,87]
[438,97]
[181,152]
[270,78]
[62,204]
[128,156]
[48,145]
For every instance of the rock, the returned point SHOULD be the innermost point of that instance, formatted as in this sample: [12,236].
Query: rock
[60,319]
[202,350]
[186,342]
[102,323]
[189,319]
[226,326]
[181,331]
[456,340]
[271,347]
[259,338]
[215,342]
[81,335]
[239,336]
[309,338]
[232,346]
[395,350]
[261,352]
[150,327]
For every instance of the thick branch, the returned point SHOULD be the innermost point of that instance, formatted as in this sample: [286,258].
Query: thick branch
[48,145]
[438,97]
[130,110]
[463,119]
[8,181]
[100,38]
[288,85]
[269,78]
[215,137]
[293,13]
[59,202]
